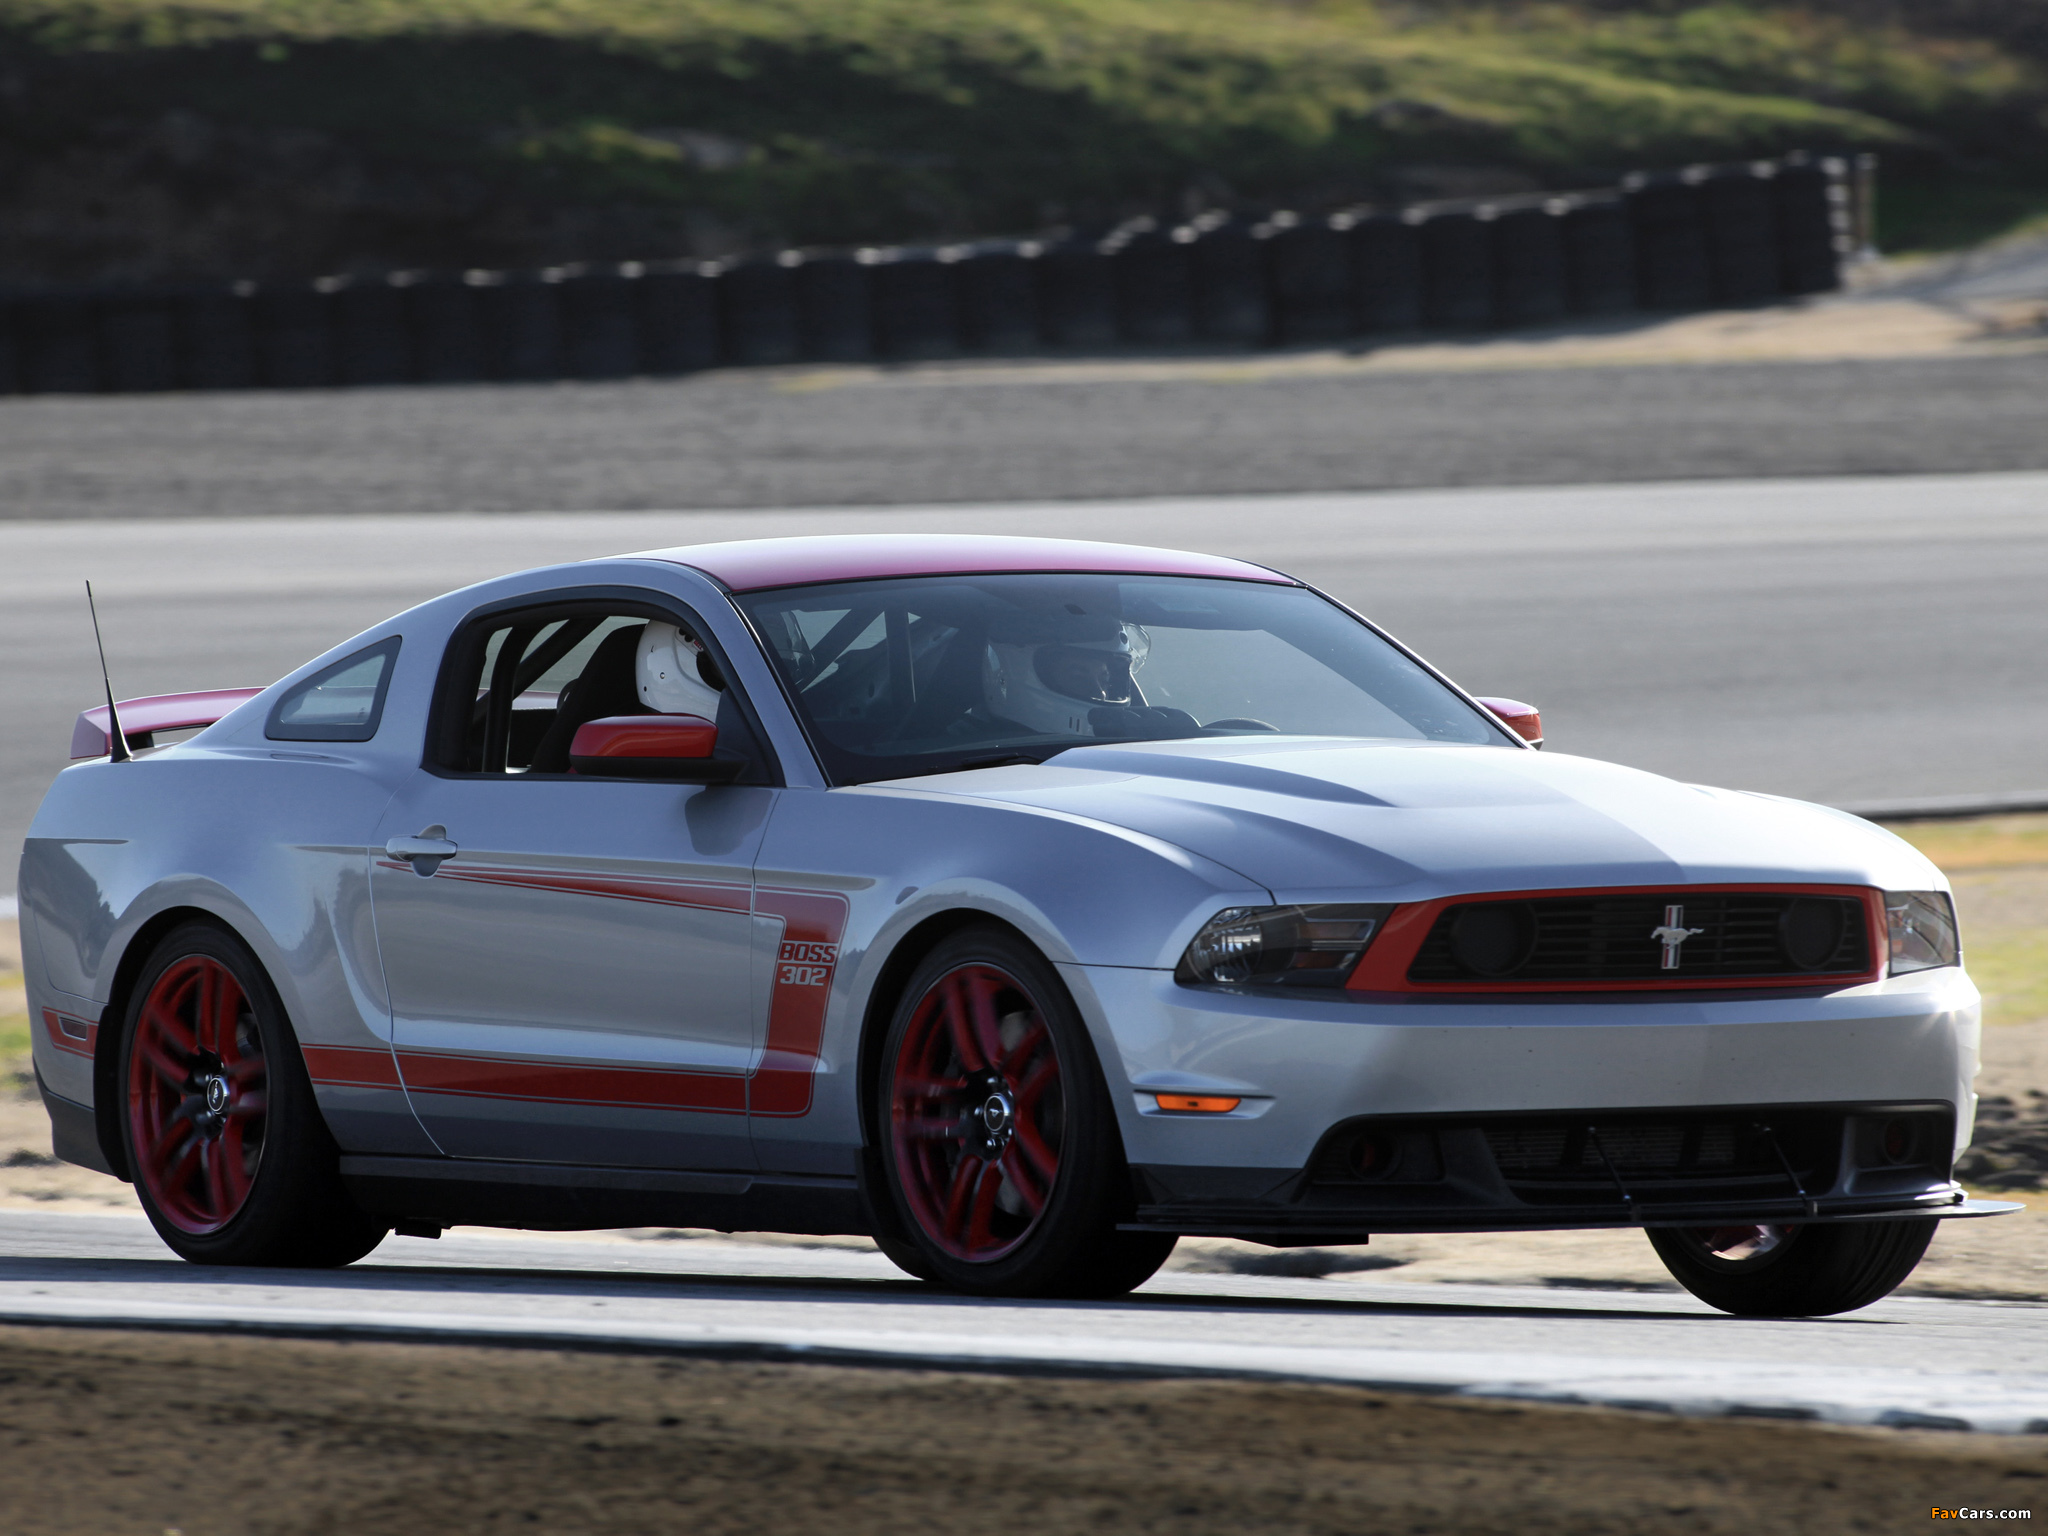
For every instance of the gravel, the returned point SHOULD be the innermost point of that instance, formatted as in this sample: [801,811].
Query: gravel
[2011,1146]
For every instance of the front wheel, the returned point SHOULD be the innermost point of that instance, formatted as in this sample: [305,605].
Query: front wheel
[1793,1271]
[1003,1163]
[230,1157]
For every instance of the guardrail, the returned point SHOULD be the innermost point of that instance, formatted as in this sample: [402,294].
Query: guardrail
[1683,240]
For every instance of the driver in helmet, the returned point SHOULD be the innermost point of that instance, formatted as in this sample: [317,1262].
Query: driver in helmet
[675,677]
[1080,682]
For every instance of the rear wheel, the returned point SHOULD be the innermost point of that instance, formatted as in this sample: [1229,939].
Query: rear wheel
[230,1157]
[1793,1271]
[1000,1149]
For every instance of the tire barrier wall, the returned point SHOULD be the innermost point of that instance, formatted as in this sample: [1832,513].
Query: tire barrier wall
[1685,240]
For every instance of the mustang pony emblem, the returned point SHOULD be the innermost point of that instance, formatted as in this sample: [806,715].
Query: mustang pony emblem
[1673,934]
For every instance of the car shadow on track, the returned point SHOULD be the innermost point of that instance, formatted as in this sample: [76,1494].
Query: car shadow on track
[368,1280]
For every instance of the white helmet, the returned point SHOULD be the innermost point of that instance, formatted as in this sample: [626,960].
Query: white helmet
[1053,686]
[671,682]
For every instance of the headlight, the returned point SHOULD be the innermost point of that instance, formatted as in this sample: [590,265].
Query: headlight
[1315,946]
[1920,927]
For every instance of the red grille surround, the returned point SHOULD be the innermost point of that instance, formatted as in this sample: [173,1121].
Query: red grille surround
[1386,964]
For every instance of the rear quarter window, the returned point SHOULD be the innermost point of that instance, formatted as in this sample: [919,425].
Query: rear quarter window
[340,703]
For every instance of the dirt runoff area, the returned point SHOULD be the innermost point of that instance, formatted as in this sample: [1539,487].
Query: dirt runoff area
[148,1434]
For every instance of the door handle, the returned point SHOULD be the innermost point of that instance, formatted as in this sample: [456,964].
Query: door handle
[425,853]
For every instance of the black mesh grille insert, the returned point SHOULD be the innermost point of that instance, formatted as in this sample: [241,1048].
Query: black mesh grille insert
[1540,1151]
[1623,938]
[1666,1157]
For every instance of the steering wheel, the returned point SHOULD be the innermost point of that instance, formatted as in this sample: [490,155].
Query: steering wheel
[1241,725]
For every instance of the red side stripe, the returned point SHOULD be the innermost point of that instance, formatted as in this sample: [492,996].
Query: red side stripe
[706,895]
[554,1082]
[351,1066]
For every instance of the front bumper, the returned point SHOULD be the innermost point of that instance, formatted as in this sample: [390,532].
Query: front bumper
[1723,1166]
[1447,1077]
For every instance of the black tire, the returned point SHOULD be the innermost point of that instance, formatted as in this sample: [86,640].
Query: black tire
[907,1256]
[1793,1271]
[934,1126]
[230,1156]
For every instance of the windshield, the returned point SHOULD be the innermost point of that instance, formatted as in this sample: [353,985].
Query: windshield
[934,673]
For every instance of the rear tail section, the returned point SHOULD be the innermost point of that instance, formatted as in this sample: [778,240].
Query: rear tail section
[138,720]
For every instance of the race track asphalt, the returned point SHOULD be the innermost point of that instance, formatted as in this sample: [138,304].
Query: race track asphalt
[1004,433]
[1838,639]
[1909,1363]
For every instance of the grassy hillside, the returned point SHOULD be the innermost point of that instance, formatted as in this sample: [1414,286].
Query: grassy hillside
[149,135]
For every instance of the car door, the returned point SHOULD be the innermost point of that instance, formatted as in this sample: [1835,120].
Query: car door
[572,962]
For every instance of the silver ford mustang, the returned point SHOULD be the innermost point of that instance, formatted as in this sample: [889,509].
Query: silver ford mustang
[1024,904]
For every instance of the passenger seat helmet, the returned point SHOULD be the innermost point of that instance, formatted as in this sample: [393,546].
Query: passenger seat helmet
[671,676]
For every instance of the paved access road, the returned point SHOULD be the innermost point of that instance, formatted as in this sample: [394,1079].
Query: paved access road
[1946,1364]
[1841,640]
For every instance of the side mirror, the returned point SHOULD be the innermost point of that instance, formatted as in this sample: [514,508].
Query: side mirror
[1523,719]
[676,747]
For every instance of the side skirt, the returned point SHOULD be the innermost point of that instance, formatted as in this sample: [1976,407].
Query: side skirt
[451,1192]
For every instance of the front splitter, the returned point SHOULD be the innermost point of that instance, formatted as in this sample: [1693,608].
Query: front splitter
[1294,1227]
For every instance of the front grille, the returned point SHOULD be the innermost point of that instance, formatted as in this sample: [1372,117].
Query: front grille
[1740,934]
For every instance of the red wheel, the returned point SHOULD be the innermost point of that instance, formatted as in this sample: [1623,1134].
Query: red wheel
[196,1095]
[230,1156]
[977,1113]
[997,1136]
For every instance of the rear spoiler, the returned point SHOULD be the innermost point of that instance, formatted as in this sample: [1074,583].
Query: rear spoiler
[141,719]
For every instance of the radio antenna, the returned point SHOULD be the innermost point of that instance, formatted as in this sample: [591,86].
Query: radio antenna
[117,739]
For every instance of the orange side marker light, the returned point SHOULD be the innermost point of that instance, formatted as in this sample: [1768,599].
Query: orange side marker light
[1197,1103]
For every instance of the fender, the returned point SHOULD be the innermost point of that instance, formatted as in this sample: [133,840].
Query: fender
[139,934]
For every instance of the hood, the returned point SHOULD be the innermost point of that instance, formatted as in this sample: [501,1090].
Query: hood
[1313,818]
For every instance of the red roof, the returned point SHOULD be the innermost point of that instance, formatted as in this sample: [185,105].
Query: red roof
[750,565]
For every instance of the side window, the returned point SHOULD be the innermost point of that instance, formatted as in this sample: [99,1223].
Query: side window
[342,703]
[523,683]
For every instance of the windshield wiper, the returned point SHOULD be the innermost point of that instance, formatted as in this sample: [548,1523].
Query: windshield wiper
[992,760]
